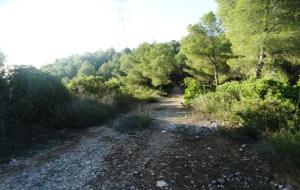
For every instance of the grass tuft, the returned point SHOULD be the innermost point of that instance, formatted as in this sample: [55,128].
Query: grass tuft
[282,151]
[135,122]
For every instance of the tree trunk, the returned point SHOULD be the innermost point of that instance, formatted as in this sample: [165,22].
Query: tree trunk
[261,56]
[260,63]
[216,75]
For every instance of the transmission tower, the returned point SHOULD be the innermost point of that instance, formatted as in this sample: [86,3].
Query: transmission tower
[120,9]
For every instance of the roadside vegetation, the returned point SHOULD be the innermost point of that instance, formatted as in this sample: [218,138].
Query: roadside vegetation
[135,122]
[255,79]
[239,66]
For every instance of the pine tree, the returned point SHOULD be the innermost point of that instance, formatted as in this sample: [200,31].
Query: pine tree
[206,49]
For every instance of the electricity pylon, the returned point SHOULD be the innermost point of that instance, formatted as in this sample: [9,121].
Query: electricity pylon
[119,7]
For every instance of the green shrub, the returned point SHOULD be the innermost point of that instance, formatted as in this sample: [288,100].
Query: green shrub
[218,104]
[94,100]
[34,105]
[282,150]
[142,93]
[104,92]
[81,112]
[87,85]
[287,145]
[258,105]
[270,114]
[134,122]
[193,89]
[33,96]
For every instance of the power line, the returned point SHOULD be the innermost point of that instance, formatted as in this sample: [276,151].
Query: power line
[120,9]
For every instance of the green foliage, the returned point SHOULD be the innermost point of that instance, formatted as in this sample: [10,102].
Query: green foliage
[110,68]
[193,89]
[81,112]
[263,32]
[104,92]
[69,67]
[150,66]
[258,105]
[268,115]
[207,50]
[143,93]
[284,148]
[29,99]
[35,104]
[263,35]
[142,72]
[127,63]
[86,69]
[147,71]
[86,85]
[287,144]
[32,95]
[159,64]
[135,122]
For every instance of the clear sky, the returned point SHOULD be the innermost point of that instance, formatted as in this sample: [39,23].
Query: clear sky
[37,32]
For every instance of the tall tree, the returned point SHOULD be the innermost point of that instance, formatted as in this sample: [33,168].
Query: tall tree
[206,48]
[264,31]
[160,64]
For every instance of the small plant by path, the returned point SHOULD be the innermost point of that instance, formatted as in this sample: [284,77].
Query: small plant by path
[134,122]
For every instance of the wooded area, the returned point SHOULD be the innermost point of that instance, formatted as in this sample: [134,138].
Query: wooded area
[239,66]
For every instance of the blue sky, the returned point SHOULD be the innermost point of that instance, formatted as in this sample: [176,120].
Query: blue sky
[37,32]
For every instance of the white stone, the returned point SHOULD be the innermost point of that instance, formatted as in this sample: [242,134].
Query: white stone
[161,184]
[221,180]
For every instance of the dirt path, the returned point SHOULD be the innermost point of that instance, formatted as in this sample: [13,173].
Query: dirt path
[105,159]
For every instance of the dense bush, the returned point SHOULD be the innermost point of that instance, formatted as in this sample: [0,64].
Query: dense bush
[287,144]
[258,105]
[261,108]
[94,100]
[271,114]
[143,93]
[29,98]
[34,105]
[193,89]
[282,150]
[81,112]
[96,89]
